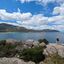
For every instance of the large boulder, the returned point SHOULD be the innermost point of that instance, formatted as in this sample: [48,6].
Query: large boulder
[51,49]
[42,44]
[30,62]
[41,62]
[36,43]
[29,43]
[11,41]
[14,61]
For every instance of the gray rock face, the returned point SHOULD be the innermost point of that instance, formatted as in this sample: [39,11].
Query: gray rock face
[51,49]
[42,44]
[11,41]
[13,61]
[36,43]
[30,43]
[42,62]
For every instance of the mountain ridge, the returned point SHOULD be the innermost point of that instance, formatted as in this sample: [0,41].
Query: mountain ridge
[12,28]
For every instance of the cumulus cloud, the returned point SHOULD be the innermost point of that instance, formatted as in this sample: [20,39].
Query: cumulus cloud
[23,18]
[51,1]
[43,1]
[59,27]
[60,17]
[4,15]
[59,10]
[22,1]
[34,21]
[57,19]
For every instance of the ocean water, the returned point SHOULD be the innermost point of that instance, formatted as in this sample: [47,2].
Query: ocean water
[50,36]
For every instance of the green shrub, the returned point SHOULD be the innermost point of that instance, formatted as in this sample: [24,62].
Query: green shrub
[33,54]
[2,42]
[43,40]
[7,50]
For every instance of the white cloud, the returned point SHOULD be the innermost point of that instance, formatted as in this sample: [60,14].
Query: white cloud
[48,1]
[22,1]
[56,10]
[34,21]
[58,18]
[59,27]
[43,1]
[14,16]
[59,10]
[37,21]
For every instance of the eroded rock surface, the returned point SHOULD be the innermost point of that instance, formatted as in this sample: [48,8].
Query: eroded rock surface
[51,49]
[14,61]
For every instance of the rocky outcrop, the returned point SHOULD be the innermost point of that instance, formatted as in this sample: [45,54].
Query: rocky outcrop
[41,62]
[30,43]
[51,49]
[14,61]
[11,41]
[42,44]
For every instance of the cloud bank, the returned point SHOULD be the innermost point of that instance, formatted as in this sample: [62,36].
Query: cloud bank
[45,2]
[38,21]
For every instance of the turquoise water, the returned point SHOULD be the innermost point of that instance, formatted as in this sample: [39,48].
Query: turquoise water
[50,36]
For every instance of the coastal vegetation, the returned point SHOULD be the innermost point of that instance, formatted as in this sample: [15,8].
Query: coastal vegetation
[54,59]
[21,50]
[33,54]
[43,40]
[28,54]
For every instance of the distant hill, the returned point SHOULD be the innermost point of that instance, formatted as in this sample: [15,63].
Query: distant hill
[11,28]
[50,30]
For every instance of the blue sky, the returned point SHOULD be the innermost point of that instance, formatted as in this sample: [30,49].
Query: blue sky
[33,7]
[33,14]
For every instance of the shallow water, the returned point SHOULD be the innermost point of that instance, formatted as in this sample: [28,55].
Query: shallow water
[50,36]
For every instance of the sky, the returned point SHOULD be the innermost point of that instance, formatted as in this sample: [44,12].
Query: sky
[33,14]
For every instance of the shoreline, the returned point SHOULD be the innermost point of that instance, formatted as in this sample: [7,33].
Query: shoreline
[56,44]
[32,40]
